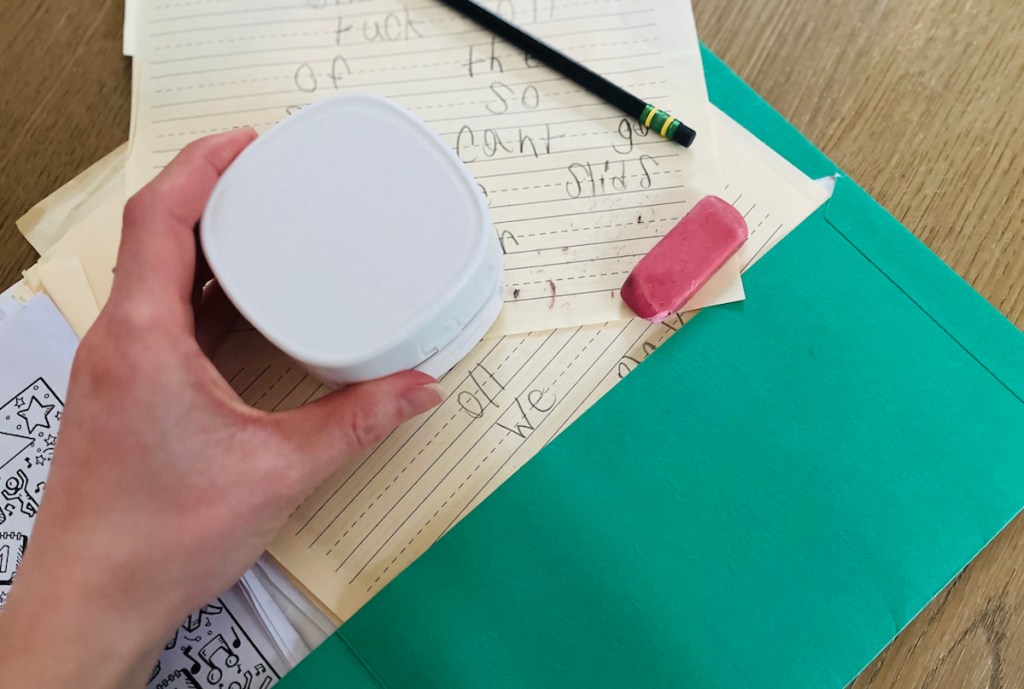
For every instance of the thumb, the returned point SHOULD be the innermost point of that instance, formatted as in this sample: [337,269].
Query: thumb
[347,423]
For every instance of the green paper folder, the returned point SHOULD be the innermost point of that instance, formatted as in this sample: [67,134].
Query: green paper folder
[765,502]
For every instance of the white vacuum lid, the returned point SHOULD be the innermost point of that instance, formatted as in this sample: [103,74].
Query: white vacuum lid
[354,239]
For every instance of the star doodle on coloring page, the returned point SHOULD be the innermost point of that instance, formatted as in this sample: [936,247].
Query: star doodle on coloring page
[36,414]
[43,455]
[3,598]
[51,440]
[19,402]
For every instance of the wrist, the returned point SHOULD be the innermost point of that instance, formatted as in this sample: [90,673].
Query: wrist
[45,642]
[61,633]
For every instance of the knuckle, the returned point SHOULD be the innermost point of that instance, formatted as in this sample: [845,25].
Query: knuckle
[91,352]
[275,466]
[137,210]
[122,341]
[154,203]
[132,318]
[196,147]
[96,361]
[366,426]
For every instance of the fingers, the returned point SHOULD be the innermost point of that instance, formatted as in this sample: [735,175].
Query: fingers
[215,315]
[348,423]
[157,258]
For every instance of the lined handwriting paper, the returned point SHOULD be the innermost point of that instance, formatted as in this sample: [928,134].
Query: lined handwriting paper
[577,191]
[503,403]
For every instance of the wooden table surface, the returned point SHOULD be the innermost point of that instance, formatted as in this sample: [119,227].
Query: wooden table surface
[920,101]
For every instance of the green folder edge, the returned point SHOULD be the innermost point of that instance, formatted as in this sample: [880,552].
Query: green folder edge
[662,559]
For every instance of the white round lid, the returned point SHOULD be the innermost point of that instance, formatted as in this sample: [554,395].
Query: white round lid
[353,238]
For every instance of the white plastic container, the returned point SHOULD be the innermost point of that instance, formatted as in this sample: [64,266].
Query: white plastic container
[353,238]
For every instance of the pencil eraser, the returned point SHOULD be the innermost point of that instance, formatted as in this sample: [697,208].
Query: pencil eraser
[684,259]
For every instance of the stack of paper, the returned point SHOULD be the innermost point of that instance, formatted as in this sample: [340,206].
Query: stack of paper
[577,193]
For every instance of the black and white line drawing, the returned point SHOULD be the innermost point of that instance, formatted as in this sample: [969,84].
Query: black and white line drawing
[12,445]
[195,620]
[246,682]
[16,490]
[208,653]
[36,415]
[178,679]
[29,421]
[12,547]
[212,650]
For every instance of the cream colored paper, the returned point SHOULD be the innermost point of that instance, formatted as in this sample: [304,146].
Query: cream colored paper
[77,272]
[74,297]
[131,9]
[577,191]
[94,243]
[50,219]
[504,402]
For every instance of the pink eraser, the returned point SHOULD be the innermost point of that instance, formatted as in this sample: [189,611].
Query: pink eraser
[685,259]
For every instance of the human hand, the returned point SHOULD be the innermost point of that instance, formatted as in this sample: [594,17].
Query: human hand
[165,487]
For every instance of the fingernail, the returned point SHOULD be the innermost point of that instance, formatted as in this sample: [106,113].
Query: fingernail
[241,132]
[421,398]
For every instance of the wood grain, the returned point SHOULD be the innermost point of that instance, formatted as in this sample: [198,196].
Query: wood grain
[920,101]
[63,105]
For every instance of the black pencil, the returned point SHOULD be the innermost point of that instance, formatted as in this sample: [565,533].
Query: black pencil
[657,120]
